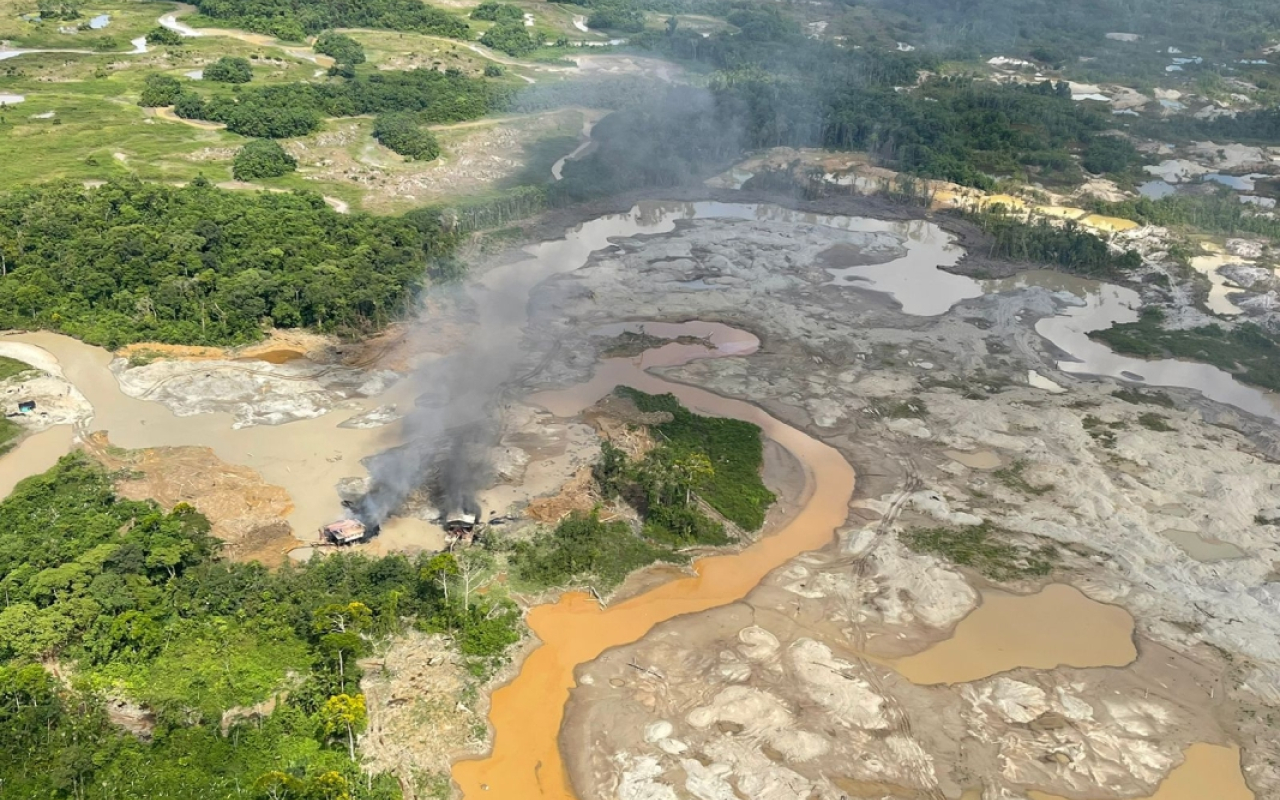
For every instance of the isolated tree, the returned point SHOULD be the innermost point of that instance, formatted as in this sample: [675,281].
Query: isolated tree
[474,566]
[439,569]
[344,713]
[338,629]
[690,471]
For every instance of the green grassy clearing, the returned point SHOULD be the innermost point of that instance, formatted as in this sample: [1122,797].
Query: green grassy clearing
[9,433]
[984,548]
[95,115]
[10,430]
[129,20]
[9,367]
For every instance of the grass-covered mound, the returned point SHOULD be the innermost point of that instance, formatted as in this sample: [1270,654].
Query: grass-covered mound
[709,458]
[734,448]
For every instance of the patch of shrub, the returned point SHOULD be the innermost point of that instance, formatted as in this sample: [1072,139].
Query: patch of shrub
[163,37]
[490,11]
[1155,422]
[511,38]
[1012,476]
[984,548]
[401,132]
[341,48]
[582,548]
[262,158]
[229,69]
[160,90]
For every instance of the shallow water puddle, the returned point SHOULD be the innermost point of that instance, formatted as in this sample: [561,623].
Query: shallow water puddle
[1101,305]
[1200,548]
[1053,627]
[979,459]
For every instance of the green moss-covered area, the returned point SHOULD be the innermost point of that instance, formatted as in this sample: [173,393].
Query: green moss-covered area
[734,448]
[135,603]
[9,430]
[10,367]
[584,549]
[1247,351]
[984,548]
[9,433]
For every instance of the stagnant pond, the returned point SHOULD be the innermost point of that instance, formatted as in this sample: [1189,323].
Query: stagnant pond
[308,458]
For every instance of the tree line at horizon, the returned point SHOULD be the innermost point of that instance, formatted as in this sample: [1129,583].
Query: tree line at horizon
[297,109]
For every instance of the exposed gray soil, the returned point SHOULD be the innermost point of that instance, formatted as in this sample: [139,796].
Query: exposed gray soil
[893,393]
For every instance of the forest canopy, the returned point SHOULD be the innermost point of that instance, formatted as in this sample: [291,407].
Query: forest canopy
[129,261]
[136,603]
[296,109]
[296,19]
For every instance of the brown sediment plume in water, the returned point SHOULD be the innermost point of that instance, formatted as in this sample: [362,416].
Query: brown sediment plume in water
[527,713]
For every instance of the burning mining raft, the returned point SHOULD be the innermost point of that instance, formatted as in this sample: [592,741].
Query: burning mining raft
[460,527]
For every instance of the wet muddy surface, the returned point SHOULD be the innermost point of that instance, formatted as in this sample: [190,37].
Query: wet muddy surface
[1053,627]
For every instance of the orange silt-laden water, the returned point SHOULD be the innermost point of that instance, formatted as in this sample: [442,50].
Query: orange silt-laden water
[527,713]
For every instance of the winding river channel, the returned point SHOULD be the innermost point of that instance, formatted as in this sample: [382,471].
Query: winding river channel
[309,457]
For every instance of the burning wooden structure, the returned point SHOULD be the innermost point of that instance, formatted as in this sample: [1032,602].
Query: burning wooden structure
[460,527]
[345,531]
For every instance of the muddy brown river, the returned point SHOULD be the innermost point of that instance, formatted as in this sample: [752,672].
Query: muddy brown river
[309,457]
[526,714]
